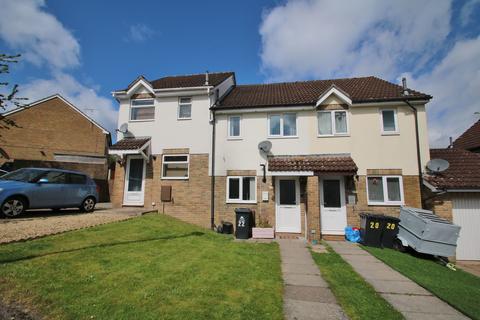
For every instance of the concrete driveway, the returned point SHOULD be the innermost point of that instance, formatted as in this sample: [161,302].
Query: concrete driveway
[38,223]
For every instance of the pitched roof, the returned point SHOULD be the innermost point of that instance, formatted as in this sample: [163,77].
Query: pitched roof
[366,89]
[470,139]
[130,144]
[56,96]
[316,163]
[193,80]
[463,172]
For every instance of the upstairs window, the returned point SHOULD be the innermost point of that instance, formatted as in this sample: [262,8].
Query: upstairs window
[142,110]
[385,190]
[185,108]
[234,127]
[389,121]
[331,123]
[282,125]
[175,166]
[241,189]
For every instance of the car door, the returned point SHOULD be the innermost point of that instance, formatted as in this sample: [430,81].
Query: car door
[49,191]
[76,189]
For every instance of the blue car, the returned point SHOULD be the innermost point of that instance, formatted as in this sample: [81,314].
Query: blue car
[32,188]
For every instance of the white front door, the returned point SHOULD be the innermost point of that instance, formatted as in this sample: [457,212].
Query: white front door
[134,181]
[287,205]
[333,213]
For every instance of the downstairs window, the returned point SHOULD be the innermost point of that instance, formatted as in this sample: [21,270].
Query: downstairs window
[385,190]
[241,189]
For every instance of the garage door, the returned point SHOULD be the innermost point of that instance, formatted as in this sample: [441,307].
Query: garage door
[466,213]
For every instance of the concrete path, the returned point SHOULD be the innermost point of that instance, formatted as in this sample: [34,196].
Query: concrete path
[306,294]
[413,301]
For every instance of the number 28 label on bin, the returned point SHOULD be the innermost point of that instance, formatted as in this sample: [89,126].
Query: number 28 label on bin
[374,225]
[391,226]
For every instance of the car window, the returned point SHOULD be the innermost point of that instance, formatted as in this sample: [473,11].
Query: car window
[74,178]
[24,175]
[55,177]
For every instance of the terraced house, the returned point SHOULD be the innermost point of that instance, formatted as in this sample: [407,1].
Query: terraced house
[330,149]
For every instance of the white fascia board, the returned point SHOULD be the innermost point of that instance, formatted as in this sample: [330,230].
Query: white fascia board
[123,152]
[289,173]
[463,190]
[335,91]
[263,109]
[65,101]
[139,83]
[388,103]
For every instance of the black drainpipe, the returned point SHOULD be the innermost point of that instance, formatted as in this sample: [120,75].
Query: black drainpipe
[212,184]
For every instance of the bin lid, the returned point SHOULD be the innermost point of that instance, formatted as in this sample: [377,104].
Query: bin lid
[243,210]
[227,224]
[371,215]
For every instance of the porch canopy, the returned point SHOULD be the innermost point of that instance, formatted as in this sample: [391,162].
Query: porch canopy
[309,165]
[132,146]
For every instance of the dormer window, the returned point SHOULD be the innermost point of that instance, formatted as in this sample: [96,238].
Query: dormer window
[142,110]
[185,108]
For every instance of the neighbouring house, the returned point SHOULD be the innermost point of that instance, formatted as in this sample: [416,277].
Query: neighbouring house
[470,139]
[52,132]
[338,148]
[454,194]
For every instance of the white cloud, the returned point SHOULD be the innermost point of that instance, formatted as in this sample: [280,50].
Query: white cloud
[25,26]
[86,99]
[139,33]
[455,86]
[467,11]
[323,38]
[44,41]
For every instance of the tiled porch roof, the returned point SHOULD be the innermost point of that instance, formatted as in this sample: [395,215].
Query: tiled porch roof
[130,144]
[315,163]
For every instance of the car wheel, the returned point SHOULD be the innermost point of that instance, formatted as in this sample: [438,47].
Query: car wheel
[13,207]
[88,205]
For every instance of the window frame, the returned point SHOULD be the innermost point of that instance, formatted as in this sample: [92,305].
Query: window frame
[240,190]
[386,202]
[395,120]
[281,135]
[332,123]
[173,162]
[180,104]
[138,107]
[230,137]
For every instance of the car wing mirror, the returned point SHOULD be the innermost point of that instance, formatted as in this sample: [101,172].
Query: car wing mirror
[43,180]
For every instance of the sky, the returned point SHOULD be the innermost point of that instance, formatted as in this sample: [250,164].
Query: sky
[86,49]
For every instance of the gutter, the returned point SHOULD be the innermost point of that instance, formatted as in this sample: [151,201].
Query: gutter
[212,183]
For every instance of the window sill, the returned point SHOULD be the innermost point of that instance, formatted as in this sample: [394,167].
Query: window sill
[173,178]
[181,119]
[333,135]
[234,138]
[391,133]
[241,202]
[282,137]
[146,120]
[385,204]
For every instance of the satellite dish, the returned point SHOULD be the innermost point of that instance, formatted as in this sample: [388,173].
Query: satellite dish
[437,165]
[265,146]
[123,128]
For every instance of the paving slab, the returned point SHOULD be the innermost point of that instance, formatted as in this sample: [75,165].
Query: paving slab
[307,310]
[413,301]
[306,295]
[398,287]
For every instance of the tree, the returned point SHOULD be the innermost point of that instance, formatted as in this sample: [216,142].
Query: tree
[8,97]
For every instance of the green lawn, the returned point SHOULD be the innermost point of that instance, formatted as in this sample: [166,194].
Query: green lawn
[458,288]
[151,267]
[358,299]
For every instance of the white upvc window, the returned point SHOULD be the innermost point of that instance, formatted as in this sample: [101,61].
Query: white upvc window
[241,189]
[389,121]
[175,166]
[234,127]
[184,108]
[332,123]
[142,110]
[282,125]
[385,190]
